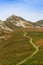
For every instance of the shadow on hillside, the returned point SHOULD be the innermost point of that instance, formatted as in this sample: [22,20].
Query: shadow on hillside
[23,64]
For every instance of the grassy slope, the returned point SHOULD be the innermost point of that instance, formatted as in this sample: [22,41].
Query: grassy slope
[14,48]
[38,58]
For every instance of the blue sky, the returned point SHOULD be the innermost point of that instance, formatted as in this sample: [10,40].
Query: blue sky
[29,9]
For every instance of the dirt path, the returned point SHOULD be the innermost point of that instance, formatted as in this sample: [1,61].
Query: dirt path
[36,47]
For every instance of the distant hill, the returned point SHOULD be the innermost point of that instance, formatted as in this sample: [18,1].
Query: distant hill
[39,23]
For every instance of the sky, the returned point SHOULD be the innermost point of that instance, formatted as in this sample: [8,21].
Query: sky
[29,9]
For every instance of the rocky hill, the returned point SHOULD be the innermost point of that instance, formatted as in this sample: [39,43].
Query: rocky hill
[13,22]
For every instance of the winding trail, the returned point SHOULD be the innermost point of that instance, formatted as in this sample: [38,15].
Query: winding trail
[36,47]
